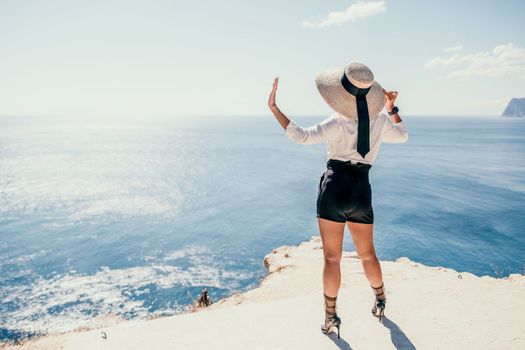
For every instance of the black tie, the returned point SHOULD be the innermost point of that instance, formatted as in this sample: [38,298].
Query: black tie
[363,129]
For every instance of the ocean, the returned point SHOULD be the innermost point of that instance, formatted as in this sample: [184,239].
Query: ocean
[133,218]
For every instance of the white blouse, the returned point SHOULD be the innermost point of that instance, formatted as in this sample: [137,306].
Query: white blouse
[340,133]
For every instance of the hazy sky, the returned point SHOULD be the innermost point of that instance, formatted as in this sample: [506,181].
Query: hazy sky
[169,58]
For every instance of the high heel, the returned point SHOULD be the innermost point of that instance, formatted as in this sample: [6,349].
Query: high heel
[331,317]
[380,302]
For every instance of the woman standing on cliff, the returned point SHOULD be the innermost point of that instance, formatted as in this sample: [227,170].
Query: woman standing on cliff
[353,135]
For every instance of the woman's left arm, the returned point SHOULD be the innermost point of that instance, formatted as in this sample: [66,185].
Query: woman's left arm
[281,118]
[328,129]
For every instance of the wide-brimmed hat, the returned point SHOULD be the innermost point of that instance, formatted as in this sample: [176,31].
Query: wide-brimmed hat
[339,87]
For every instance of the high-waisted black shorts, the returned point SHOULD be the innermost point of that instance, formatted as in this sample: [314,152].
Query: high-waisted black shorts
[344,193]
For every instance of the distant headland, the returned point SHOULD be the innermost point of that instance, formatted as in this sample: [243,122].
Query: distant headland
[515,108]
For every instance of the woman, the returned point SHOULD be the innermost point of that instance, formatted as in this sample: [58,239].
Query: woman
[353,135]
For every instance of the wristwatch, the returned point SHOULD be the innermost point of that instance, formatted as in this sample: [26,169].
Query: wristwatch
[393,111]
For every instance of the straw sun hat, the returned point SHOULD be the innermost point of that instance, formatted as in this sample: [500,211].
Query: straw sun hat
[339,87]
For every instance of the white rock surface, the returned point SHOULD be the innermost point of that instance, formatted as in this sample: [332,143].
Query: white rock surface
[427,308]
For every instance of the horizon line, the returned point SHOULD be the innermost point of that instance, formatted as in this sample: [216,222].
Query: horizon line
[78,117]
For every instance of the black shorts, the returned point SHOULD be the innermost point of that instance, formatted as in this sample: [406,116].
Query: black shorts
[344,193]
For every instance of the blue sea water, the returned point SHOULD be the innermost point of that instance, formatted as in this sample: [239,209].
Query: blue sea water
[134,218]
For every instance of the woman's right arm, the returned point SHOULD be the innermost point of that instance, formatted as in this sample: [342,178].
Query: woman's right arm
[394,130]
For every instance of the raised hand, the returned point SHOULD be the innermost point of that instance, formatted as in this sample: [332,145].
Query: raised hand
[390,98]
[271,101]
[281,118]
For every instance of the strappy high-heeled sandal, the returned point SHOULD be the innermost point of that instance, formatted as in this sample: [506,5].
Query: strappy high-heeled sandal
[380,303]
[331,317]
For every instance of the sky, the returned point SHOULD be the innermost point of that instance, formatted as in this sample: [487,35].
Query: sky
[82,59]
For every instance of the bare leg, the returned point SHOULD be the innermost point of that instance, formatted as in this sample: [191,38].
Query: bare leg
[332,234]
[362,235]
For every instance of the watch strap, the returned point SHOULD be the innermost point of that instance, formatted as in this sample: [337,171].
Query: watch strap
[394,111]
